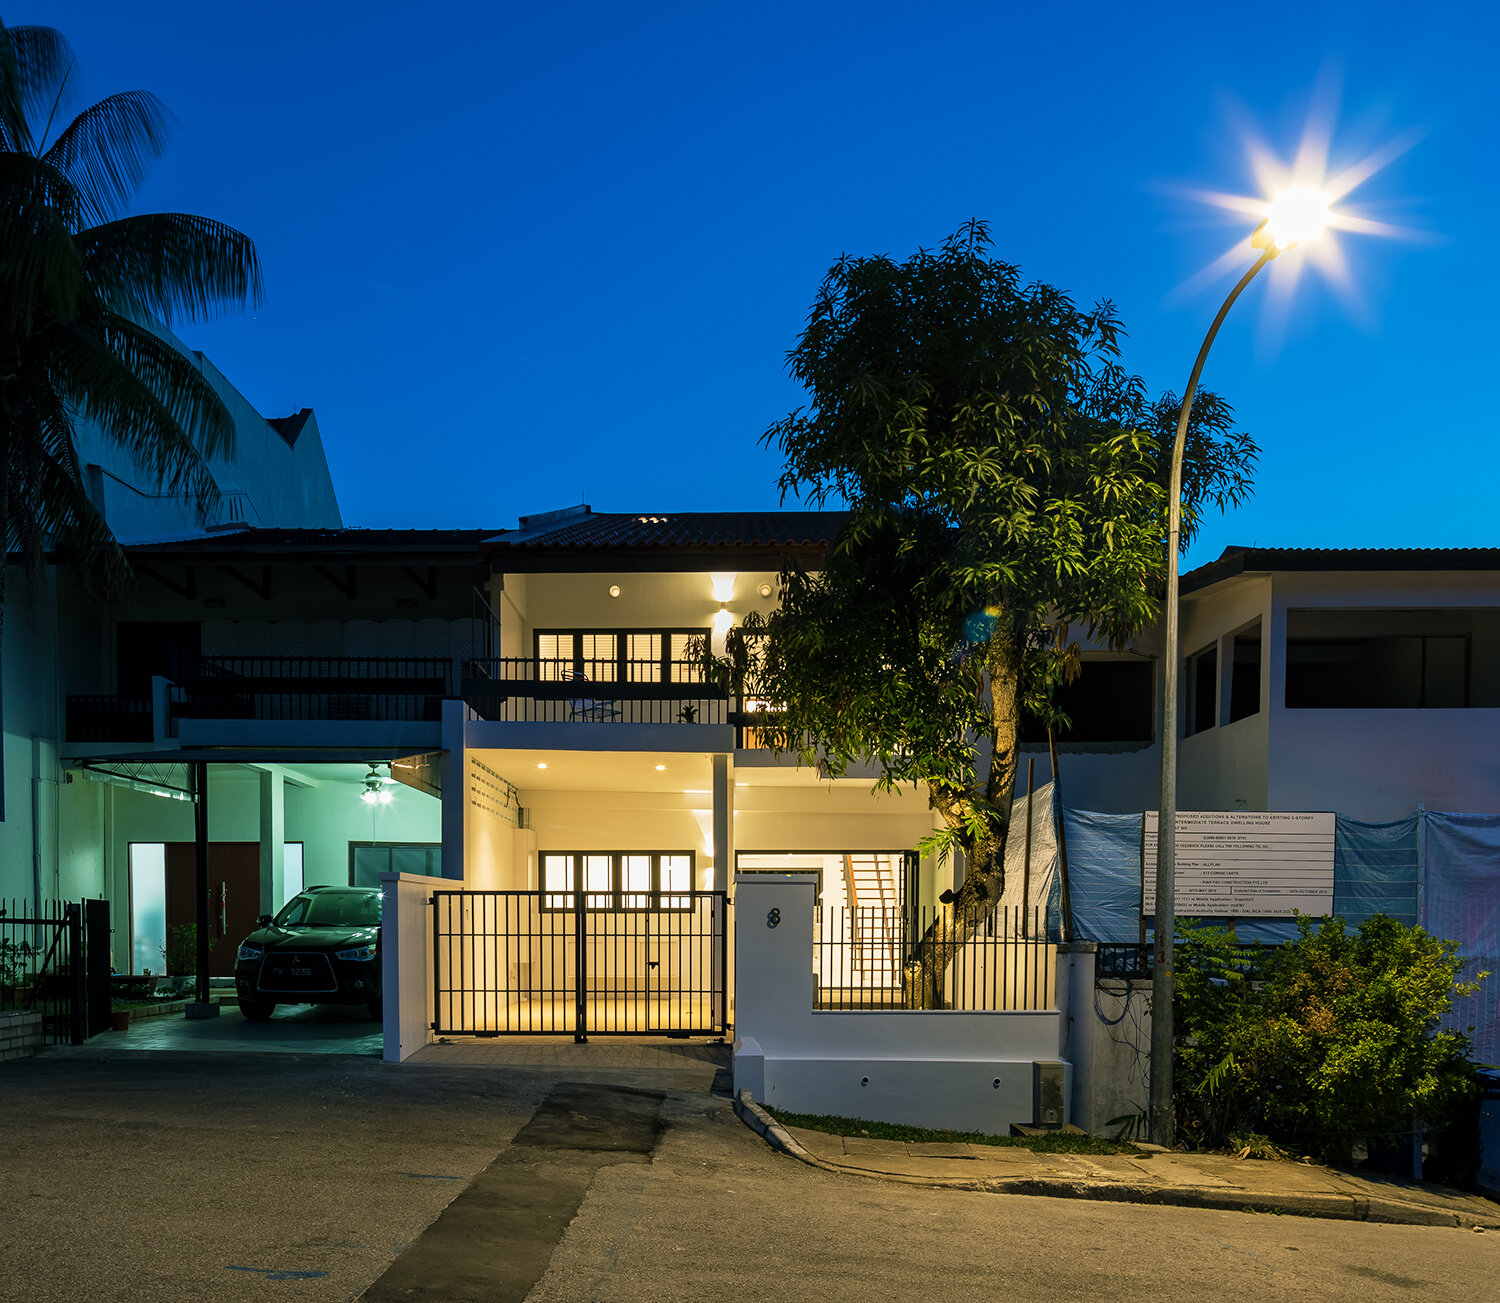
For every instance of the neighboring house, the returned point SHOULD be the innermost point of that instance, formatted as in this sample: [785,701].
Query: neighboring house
[1362,681]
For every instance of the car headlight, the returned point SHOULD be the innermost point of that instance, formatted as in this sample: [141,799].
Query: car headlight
[356,952]
[251,952]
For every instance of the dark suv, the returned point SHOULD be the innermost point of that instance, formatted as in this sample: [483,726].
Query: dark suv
[322,948]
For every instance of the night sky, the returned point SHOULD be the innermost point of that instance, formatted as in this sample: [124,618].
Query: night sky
[522,256]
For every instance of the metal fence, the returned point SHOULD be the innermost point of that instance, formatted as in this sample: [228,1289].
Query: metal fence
[39,944]
[871,958]
[525,689]
[1115,962]
[504,964]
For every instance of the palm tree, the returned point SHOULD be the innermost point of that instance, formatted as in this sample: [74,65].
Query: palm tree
[82,290]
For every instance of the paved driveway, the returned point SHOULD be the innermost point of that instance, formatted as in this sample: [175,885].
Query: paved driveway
[292,1029]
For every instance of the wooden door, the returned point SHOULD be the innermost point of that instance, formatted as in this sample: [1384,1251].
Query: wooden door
[233,896]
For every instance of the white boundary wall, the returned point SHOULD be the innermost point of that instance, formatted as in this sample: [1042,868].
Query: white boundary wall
[966,1071]
[406,962]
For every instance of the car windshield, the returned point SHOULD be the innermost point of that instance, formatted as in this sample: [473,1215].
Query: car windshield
[331,909]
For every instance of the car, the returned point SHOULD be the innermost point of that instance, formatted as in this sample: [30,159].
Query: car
[323,947]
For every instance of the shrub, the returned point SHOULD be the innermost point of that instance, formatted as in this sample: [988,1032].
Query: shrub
[1326,1042]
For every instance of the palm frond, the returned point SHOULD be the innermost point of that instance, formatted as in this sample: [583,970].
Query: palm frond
[97,382]
[40,267]
[171,266]
[194,403]
[106,149]
[34,65]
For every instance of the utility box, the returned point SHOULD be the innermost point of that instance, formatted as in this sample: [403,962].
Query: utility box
[1047,1097]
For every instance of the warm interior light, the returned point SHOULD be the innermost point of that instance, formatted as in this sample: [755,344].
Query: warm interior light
[1298,214]
[541,764]
[614,590]
[765,590]
[722,587]
[661,768]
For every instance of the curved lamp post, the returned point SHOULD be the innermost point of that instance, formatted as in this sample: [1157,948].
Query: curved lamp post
[1296,216]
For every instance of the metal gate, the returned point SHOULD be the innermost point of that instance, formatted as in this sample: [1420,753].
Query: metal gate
[508,963]
[54,960]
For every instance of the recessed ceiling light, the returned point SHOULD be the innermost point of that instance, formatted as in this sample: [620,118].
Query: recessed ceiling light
[541,764]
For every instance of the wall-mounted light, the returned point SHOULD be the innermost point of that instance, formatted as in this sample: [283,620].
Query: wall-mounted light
[375,791]
[541,764]
[765,590]
[661,769]
[722,619]
[722,587]
[614,590]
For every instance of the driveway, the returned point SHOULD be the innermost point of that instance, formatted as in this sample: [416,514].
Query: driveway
[292,1029]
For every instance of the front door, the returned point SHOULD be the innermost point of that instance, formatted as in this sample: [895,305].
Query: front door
[233,898]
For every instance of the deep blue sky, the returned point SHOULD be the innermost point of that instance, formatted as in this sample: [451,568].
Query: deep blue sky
[519,256]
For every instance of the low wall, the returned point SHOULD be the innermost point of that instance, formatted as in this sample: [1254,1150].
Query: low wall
[20,1034]
[406,963]
[967,1071]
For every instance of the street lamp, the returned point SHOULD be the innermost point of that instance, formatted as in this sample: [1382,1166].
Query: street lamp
[1297,215]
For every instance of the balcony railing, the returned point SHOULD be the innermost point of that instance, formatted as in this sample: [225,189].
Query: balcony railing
[509,689]
[99,718]
[521,689]
[406,688]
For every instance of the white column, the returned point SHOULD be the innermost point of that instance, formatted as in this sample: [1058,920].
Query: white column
[455,790]
[272,840]
[723,785]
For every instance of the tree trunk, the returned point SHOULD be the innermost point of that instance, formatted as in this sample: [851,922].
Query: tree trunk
[960,918]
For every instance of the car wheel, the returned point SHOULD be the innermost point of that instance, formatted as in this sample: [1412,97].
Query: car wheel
[257,1010]
[376,1008]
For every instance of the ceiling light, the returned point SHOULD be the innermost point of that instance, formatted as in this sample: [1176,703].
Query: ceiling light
[660,768]
[541,764]
[375,790]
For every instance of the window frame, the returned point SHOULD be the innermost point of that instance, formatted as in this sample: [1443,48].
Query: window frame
[673,638]
[682,900]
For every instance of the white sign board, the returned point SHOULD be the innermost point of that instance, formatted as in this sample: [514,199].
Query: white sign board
[1245,864]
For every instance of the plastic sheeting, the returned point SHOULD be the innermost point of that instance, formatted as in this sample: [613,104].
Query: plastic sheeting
[1045,883]
[1460,900]
[1440,869]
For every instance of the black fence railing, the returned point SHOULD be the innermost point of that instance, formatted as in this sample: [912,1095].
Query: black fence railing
[872,958]
[103,718]
[403,688]
[505,964]
[1115,962]
[535,690]
[40,943]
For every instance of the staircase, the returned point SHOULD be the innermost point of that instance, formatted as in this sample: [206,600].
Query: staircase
[873,893]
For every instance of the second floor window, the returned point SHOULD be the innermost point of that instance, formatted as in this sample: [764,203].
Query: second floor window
[619,655]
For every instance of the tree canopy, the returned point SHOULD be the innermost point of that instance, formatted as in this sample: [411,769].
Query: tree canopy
[83,286]
[1005,479]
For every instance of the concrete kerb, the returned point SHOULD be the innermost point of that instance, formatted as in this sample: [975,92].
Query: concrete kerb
[1330,1205]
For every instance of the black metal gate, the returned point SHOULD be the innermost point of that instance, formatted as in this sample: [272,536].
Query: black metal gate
[54,961]
[507,963]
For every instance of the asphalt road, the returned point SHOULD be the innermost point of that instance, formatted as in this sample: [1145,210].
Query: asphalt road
[175,1177]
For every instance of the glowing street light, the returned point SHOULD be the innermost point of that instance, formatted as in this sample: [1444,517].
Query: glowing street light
[1297,215]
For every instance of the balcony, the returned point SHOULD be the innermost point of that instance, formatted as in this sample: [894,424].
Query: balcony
[412,690]
[305,688]
[521,689]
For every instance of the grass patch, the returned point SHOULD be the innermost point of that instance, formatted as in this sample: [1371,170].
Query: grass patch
[1059,1143]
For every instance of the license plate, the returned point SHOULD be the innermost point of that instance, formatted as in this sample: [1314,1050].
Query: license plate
[302,972]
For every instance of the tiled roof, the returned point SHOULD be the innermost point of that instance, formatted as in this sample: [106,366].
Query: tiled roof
[684,529]
[1248,560]
[322,541]
[289,427]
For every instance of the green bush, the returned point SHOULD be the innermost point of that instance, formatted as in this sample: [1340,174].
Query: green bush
[1327,1042]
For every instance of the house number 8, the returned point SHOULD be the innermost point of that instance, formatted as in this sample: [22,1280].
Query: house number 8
[773,919]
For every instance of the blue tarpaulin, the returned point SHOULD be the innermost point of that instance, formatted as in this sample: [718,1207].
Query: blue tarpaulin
[1460,900]
[1440,869]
